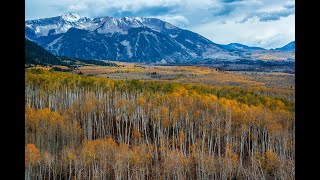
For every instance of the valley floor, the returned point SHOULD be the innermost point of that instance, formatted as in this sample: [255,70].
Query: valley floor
[193,74]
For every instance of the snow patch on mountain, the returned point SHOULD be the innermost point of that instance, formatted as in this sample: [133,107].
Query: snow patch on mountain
[192,54]
[37,30]
[54,41]
[128,47]
[56,48]
[71,17]
[150,33]
[112,29]
[188,40]
[181,45]
[214,53]
[173,35]
[104,25]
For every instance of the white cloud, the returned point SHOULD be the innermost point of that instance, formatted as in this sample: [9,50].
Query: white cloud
[179,20]
[268,34]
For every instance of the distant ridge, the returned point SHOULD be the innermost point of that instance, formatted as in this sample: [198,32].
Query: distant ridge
[288,47]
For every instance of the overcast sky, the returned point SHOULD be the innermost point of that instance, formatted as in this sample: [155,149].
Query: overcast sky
[263,23]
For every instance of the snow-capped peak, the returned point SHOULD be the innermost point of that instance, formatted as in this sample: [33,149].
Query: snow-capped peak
[103,25]
[138,19]
[71,17]
[132,19]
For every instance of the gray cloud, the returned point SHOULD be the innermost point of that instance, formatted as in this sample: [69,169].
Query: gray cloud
[222,11]
[290,5]
[148,11]
[122,8]
[273,15]
[231,1]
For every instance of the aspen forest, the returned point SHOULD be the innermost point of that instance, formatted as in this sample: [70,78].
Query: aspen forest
[88,127]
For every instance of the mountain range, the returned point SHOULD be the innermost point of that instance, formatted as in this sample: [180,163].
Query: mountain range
[136,39]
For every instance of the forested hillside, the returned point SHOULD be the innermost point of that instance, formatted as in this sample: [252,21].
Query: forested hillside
[37,55]
[81,127]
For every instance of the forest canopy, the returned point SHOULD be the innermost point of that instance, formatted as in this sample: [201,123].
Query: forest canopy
[88,127]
